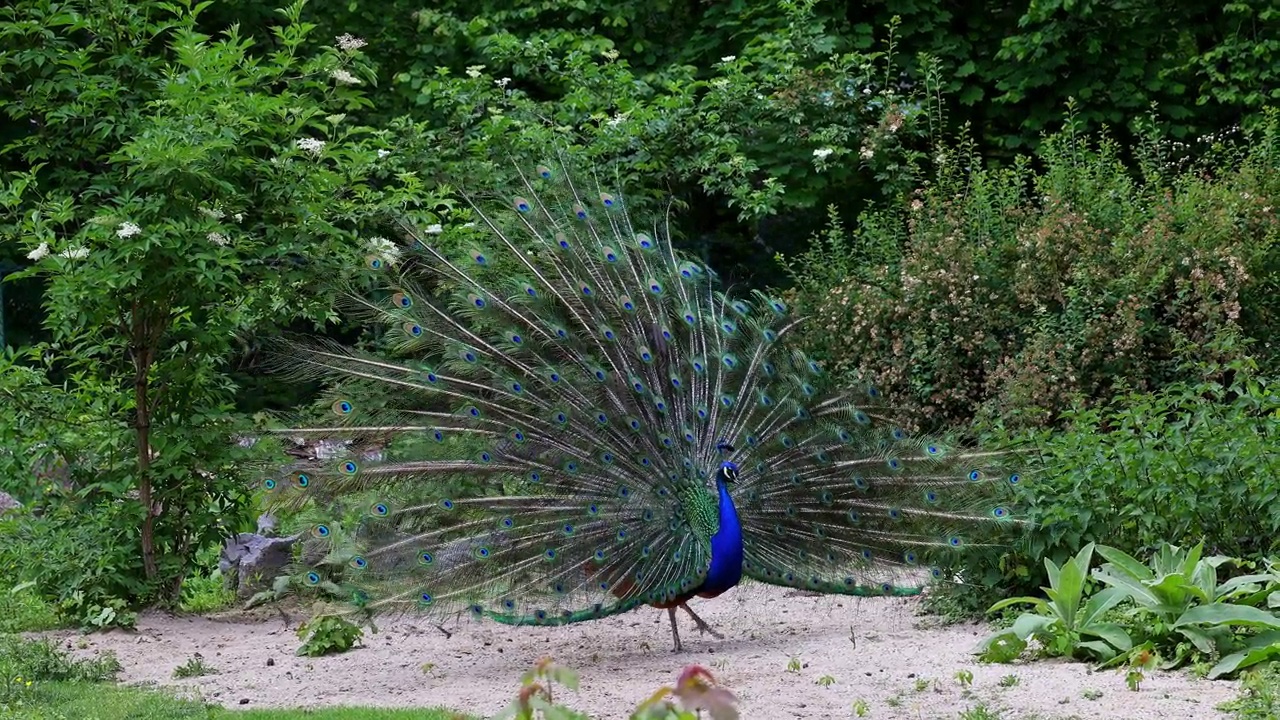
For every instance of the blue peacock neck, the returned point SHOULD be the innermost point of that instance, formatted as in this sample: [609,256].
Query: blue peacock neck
[726,545]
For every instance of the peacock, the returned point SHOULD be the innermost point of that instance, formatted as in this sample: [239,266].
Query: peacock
[580,421]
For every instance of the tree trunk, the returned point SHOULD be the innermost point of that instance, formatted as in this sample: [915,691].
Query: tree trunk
[142,428]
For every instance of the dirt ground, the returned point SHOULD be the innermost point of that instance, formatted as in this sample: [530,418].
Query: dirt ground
[878,651]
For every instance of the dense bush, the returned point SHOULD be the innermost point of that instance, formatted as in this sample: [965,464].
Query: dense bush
[1009,292]
[1193,462]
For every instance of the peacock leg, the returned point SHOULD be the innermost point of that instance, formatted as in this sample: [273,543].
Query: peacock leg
[675,632]
[702,624]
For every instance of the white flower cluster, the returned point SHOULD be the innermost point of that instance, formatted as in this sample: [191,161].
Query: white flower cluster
[435,229]
[822,153]
[127,230]
[344,77]
[42,252]
[349,42]
[473,71]
[218,239]
[214,213]
[385,249]
[311,145]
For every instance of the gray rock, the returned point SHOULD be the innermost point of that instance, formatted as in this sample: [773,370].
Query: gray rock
[7,503]
[250,563]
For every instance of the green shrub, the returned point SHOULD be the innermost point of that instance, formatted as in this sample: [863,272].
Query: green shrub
[1010,292]
[1193,462]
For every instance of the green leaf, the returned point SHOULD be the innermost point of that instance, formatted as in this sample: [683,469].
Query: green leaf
[1263,648]
[1126,563]
[1113,634]
[1228,614]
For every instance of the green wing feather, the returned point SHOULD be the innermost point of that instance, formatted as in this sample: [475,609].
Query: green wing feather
[575,378]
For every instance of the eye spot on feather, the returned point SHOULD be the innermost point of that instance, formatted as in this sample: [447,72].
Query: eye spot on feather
[437,436]
[302,481]
[1000,513]
[320,531]
[954,541]
[535,476]
[579,212]
[507,523]
[930,497]
[521,205]
[413,329]
[550,554]
[562,240]
[380,510]
[895,514]
[644,241]
[895,464]
[313,578]
[1014,479]
[348,468]
[269,484]
[401,300]
[606,199]
[374,262]
[342,407]
[446,504]
[544,172]
[425,558]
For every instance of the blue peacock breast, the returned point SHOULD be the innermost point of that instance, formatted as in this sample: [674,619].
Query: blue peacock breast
[726,547]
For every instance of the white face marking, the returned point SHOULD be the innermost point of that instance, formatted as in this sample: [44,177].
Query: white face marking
[731,473]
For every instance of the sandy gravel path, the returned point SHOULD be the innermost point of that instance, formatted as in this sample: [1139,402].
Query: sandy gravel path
[877,651]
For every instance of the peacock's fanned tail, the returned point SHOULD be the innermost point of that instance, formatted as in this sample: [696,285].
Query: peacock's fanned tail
[572,380]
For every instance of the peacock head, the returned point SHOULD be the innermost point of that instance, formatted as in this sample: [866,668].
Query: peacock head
[728,472]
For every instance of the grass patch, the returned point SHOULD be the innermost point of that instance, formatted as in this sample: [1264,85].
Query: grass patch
[86,701]
[1259,697]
